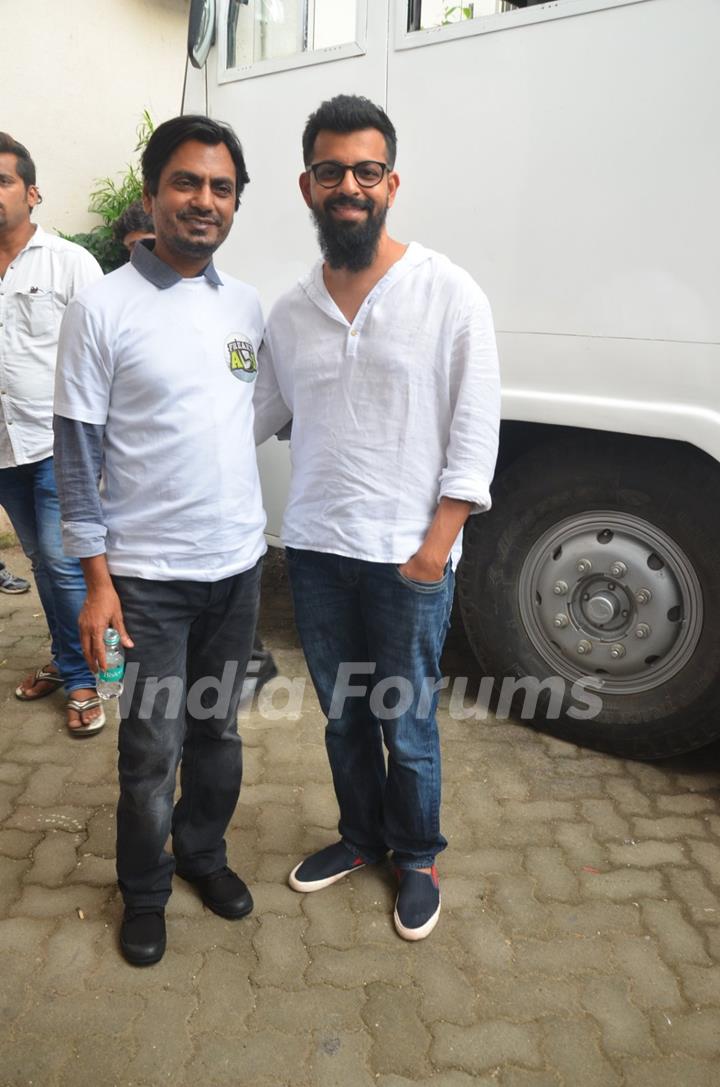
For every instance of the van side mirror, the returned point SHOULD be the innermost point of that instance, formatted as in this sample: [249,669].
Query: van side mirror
[201,31]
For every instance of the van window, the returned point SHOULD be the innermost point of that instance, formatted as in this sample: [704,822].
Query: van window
[485,15]
[259,31]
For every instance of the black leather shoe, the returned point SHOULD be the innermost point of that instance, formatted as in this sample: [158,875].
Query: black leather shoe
[224,893]
[142,936]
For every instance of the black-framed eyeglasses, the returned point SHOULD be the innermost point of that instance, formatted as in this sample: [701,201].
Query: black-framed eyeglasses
[367,174]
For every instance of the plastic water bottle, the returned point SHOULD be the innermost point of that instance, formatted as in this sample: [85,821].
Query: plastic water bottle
[110,678]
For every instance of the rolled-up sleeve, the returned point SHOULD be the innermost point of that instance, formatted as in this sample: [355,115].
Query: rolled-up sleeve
[475,401]
[78,455]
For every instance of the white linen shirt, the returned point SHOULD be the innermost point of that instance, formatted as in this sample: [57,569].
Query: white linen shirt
[36,288]
[389,413]
[169,373]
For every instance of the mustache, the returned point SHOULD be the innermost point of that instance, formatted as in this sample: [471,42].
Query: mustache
[343,201]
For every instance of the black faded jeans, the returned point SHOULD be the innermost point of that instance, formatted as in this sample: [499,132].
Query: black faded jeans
[184,679]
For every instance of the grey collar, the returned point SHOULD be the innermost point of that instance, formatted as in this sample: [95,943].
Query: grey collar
[159,273]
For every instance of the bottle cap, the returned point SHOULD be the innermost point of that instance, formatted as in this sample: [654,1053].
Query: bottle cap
[111,637]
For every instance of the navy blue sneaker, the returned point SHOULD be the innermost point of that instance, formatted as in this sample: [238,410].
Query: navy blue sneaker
[326,866]
[417,906]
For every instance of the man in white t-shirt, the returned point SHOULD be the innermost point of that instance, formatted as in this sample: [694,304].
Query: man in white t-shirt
[154,399]
[384,356]
[39,274]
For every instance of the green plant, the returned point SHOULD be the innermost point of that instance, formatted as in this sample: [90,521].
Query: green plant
[109,199]
[465,11]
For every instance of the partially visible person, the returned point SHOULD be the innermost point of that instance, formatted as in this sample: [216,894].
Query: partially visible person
[11,584]
[39,274]
[133,226]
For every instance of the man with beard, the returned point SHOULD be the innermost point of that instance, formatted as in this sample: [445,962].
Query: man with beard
[154,394]
[384,356]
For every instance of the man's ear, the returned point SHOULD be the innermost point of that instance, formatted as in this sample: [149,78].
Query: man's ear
[393,186]
[304,183]
[33,196]
[147,200]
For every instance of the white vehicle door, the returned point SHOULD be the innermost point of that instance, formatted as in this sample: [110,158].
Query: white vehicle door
[277,60]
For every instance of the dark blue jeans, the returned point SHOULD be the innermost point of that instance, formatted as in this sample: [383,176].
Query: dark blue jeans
[29,496]
[184,679]
[365,626]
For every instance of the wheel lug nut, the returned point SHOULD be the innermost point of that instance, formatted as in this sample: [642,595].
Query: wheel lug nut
[617,651]
[583,566]
[560,587]
[618,569]
[560,620]
[584,647]
[642,631]
[643,596]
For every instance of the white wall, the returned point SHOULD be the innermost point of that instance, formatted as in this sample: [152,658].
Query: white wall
[76,76]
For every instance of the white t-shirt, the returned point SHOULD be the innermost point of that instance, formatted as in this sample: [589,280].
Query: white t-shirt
[34,292]
[169,373]
[390,413]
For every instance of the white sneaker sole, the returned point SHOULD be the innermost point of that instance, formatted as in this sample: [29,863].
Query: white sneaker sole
[318,884]
[417,933]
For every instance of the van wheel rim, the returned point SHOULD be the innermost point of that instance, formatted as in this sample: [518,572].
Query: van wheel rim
[610,595]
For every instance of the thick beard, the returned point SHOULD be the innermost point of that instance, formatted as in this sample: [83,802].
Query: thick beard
[350,245]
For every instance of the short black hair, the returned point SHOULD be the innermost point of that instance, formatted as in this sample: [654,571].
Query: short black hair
[349,113]
[168,136]
[133,218]
[25,164]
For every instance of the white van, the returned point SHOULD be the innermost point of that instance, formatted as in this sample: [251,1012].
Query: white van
[566,154]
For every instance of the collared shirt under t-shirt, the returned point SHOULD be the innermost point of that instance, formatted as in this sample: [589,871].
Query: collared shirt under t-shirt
[390,412]
[165,367]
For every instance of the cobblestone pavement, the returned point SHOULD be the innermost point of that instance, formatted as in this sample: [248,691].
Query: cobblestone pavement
[578,945]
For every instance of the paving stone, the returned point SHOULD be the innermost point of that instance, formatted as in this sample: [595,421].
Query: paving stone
[553,878]
[58,817]
[400,1038]
[622,885]
[685,804]
[277,833]
[59,902]
[340,1059]
[282,958]
[18,843]
[480,862]
[86,1014]
[276,898]
[579,844]
[604,817]
[625,1029]
[95,871]
[514,898]
[45,786]
[487,946]
[701,983]
[627,796]
[538,811]
[573,1045]
[446,1078]
[670,1071]
[696,1033]
[319,806]
[564,955]
[11,873]
[643,854]
[707,855]
[519,995]
[593,918]
[318,1007]
[32,1060]
[446,992]
[669,828]
[331,920]
[91,1064]
[358,966]
[162,1036]
[680,942]
[92,795]
[690,887]
[13,773]
[101,832]
[652,982]
[71,956]
[54,858]
[262,1059]
[519,1077]
[486,1045]
[224,994]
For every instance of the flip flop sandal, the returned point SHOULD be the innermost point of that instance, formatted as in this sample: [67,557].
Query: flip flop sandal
[80,706]
[41,676]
